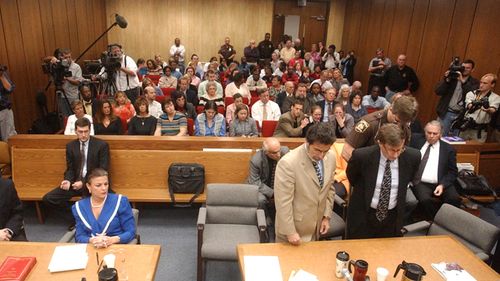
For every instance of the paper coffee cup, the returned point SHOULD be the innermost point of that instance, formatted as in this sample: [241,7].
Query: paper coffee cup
[109,259]
[382,273]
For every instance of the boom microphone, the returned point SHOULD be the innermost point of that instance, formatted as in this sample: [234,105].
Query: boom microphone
[121,21]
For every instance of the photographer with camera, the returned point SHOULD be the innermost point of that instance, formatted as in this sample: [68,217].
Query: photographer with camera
[480,105]
[7,128]
[121,70]
[457,81]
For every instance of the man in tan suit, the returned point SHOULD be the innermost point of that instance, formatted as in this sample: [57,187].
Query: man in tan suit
[291,123]
[303,189]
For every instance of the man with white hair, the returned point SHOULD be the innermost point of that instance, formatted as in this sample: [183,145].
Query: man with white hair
[251,53]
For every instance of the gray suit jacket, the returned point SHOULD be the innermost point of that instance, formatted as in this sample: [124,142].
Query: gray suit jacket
[259,171]
[348,124]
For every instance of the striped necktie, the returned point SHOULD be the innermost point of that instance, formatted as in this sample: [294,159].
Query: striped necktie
[318,173]
[385,193]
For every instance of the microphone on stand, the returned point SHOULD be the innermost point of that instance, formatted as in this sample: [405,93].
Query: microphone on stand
[121,21]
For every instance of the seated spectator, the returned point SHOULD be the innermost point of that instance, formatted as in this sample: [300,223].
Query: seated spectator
[230,109]
[159,61]
[244,67]
[147,82]
[210,122]
[341,183]
[287,93]
[297,67]
[344,94]
[275,60]
[323,81]
[355,108]
[196,64]
[251,52]
[167,81]
[153,68]
[143,123]
[186,89]
[195,80]
[314,118]
[268,74]
[142,69]
[124,108]
[211,95]
[11,213]
[292,123]
[265,109]
[154,107]
[316,73]
[174,66]
[291,76]
[255,83]
[211,77]
[243,125]
[301,95]
[315,92]
[171,122]
[182,106]
[338,80]
[90,104]
[77,107]
[280,70]
[297,58]
[276,87]
[342,123]
[305,78]
[308,62]
[373,100]
[103,219]
[106,122]
[238,86]
[315,55]
[327,104]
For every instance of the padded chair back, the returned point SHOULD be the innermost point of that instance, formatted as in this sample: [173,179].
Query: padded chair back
[268,128]
[135,213]
[451,220]
[232,204]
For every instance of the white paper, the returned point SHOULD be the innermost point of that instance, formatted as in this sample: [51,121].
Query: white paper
[71,257]
[303,275]
[262,268]
[452,275]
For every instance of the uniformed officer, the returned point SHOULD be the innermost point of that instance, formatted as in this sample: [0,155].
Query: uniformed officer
[401,112]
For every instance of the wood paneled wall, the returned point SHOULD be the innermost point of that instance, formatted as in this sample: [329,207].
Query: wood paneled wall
[33,29]
[335,26]
[201,25]
[430,32]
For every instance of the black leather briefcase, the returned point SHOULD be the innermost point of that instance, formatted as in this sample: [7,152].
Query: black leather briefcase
[186,178]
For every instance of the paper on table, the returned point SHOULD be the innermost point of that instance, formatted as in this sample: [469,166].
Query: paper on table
[262,268]
[452,272]
[303,275]
[70,257]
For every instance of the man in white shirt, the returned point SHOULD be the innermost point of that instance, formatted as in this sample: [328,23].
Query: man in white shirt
[178,50]
[265,109]
[434,181]
[323,81]
[255,83]
[126,78]
[154,106]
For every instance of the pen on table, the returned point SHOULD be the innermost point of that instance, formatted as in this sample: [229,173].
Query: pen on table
[97,257]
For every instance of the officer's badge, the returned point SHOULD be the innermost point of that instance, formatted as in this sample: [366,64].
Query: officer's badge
[361,126]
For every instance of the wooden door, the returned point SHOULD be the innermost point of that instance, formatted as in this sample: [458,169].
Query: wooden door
[313,20]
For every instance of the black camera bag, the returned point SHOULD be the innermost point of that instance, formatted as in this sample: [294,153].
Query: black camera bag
[468,183]
[186,178]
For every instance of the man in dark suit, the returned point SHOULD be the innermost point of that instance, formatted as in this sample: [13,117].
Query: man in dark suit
[82,156]
[434,181]
[11,213]
[379,176]
[328,104]
[262,169]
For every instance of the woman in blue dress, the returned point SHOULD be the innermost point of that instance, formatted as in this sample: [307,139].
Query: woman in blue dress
[103,219]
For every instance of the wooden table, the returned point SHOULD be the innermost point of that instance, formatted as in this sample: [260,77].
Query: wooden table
[318,258]
[140,263]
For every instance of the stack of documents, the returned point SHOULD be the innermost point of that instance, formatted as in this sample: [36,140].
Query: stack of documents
[70,257]
[262,268]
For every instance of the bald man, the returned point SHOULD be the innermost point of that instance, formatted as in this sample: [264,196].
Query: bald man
[262,168]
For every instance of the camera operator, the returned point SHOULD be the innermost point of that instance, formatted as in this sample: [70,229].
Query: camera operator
[452,90]
[481,105]
[126,78]
[7,128]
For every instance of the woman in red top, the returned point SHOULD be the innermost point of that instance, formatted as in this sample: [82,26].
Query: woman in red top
[123,109]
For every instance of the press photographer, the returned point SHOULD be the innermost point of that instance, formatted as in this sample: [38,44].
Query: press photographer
[457,81]
[480,105]
[66,75]
[7,128]
[121,70]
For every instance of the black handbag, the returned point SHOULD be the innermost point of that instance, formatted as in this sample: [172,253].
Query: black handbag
[186,178]
[468,183]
